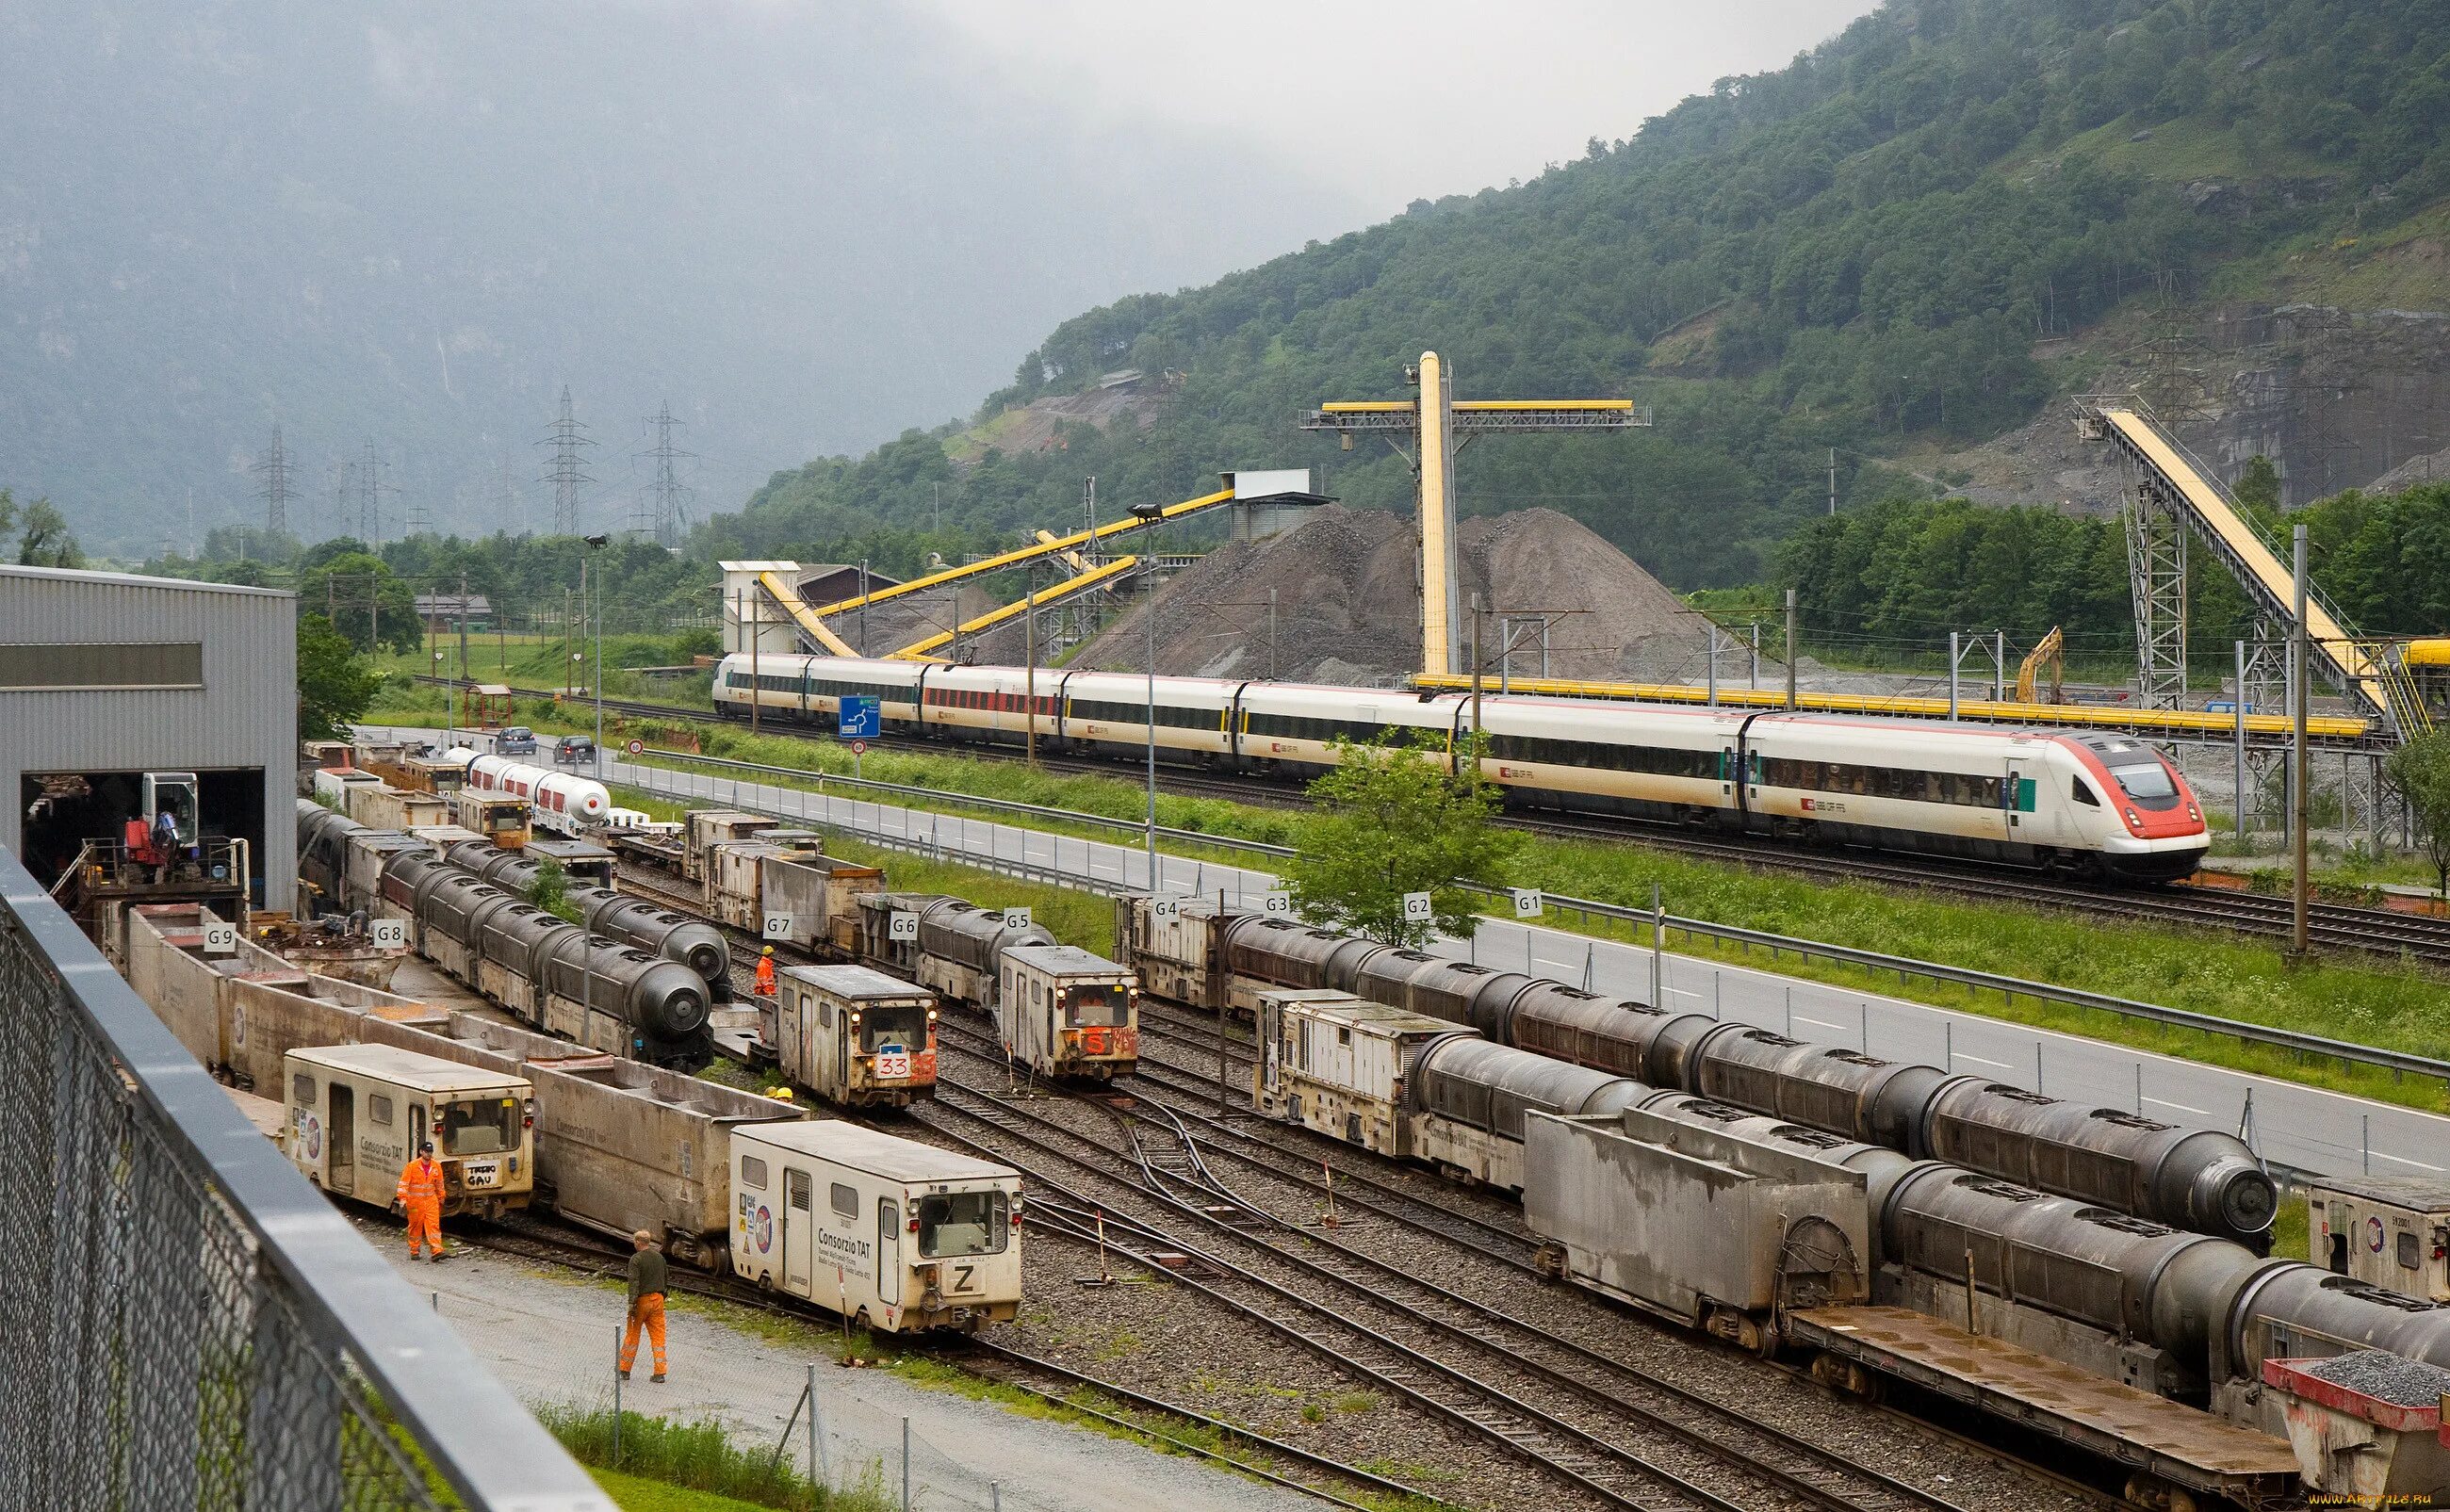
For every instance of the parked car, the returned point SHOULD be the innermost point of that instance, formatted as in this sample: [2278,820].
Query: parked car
[574,749]
[516,740]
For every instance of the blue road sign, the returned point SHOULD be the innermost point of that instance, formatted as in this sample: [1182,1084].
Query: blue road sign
[859,718]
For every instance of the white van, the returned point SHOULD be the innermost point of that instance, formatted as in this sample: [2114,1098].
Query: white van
[354,1114]
[899,1236]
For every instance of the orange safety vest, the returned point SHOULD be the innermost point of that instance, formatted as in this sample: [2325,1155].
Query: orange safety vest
[766,976]
[421,1182]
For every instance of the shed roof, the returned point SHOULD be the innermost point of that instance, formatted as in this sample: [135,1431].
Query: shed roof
[80,574]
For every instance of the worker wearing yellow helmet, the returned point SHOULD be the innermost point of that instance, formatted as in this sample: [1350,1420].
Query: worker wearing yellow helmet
[766,972]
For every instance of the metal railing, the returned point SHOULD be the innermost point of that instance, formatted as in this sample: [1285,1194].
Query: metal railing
[200,1329]
[2398,1063]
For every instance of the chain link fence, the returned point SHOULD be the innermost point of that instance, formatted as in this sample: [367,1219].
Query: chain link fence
[196,1326]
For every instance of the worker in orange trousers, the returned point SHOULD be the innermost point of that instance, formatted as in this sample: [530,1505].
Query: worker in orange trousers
[648,1278]
[421,1197]
[766,972]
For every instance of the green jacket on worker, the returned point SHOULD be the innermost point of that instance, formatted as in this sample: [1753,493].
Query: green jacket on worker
[648,1274]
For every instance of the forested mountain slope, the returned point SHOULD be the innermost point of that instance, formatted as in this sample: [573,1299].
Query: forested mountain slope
[1902,241]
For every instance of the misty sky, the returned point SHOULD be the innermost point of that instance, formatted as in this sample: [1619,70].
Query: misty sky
[407,225]
[1390,100]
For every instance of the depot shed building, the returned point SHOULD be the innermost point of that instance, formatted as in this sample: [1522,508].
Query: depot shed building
[106,676]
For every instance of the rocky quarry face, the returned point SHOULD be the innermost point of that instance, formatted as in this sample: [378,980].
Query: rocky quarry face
[2336,398]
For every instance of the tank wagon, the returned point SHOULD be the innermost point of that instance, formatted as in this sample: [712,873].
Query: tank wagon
[548,972]
[2200,1179]
[1414,1086]
[2187,1315]
[2096,805]
[564,802]
[634,921]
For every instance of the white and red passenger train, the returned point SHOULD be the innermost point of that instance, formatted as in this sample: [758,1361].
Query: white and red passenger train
[2098,804]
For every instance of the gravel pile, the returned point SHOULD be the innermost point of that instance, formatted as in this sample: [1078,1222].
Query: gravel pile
[1347,586]
[2385,1377]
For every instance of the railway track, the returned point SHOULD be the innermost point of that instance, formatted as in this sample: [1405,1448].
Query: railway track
[1178,1175]
[2336,926]
[1478,1366]
[586,1253]
[1509,1245]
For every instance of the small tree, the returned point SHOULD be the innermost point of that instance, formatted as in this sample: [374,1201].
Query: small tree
[549,889]
[1393,820]
[2419,772]
[335,685]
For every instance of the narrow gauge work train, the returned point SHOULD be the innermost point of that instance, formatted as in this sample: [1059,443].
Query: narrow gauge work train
[2200,1179]
[2099,805]
[2189,1316]
[1059,1010]
[603,993]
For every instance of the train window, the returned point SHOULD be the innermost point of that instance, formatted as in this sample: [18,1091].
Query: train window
[2082,792]
[1096,1004]
[844,1200]
[904,1024]
[2408,1252]
[1343,1034]
[481,1126]
[378,1110]
[752,1173]
[964,1223]
[2145,779]
[302,1090]
[824,1016]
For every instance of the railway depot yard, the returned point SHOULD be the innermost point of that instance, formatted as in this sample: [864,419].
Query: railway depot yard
[2357,997]
[1277,1283]
[1755,821]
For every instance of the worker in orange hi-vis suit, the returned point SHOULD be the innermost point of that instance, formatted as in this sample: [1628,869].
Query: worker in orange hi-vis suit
[647,1277]
[421,1197]
[766,972]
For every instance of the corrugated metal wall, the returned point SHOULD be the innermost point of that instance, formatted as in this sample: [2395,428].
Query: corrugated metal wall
[244,716]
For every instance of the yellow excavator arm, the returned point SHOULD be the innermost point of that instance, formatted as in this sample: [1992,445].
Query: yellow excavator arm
[2050,651]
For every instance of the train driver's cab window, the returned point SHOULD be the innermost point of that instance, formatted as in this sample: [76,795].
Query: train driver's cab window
[302,1090]
[1096,1005]
[2410,1253]
[752,1173]
[964,1223]
[2082,792]
[378,1110]
[844,1200]
[482,1127]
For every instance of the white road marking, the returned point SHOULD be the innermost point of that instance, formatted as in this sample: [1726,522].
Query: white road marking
[1980,1060]
[2159,1102]
[1823,1023]
[2400,1161]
